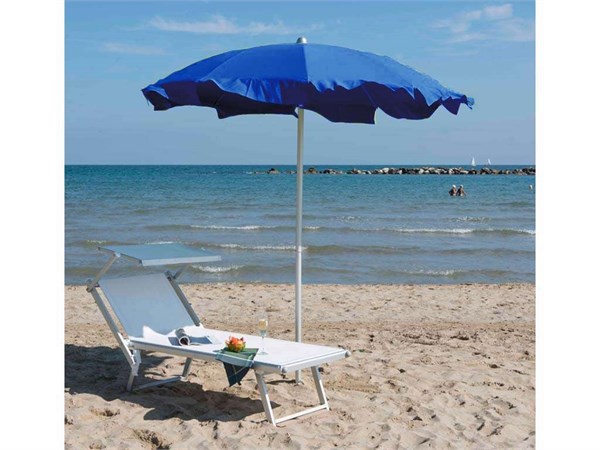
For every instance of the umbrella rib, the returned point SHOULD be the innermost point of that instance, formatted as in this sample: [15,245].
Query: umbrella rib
[204,78]
[362,87]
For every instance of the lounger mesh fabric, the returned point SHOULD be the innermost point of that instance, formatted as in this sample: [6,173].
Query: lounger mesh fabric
[145,300]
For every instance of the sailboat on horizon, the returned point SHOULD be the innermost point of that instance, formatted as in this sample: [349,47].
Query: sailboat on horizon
[473,162]
[489,163]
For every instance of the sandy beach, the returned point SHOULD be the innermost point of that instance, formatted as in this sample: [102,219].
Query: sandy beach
[432,366]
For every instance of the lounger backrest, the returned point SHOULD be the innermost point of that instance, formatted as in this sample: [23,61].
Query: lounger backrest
[145,300]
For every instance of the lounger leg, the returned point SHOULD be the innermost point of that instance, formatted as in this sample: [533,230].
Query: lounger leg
[135,367]
[264,396]
[130,381]
[137,360]
[319,385]
[186,367]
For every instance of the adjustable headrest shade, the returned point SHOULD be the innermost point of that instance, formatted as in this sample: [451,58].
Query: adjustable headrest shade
[145,300]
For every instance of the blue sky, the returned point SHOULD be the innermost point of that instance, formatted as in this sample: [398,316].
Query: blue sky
[485,50]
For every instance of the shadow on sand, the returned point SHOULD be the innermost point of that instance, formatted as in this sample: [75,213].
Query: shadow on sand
[103,371]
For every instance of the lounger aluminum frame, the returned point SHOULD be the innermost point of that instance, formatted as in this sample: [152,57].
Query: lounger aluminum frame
[171,309]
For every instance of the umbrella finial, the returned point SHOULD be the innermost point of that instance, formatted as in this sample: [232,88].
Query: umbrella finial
[301,40]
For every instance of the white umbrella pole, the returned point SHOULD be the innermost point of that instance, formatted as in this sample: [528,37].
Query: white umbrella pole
[299,174]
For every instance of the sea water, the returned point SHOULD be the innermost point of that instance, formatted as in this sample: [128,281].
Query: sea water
[357,228]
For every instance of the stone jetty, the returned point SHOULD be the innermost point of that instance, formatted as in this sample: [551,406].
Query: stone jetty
[409,171]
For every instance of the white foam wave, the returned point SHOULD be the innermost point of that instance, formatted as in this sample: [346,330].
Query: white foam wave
[461,230]
[216,269]
[471,219]
[532,232]
[434,230]
[506,230]
[225,227]
[444,273]
[259,247]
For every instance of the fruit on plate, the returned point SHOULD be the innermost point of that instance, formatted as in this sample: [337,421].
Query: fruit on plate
[235,344]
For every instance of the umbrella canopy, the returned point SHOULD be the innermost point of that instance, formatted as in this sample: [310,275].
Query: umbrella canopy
[340,84]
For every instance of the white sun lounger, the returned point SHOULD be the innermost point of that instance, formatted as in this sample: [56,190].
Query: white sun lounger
[150,307]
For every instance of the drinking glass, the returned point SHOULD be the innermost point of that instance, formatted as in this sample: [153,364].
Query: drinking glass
[263,325]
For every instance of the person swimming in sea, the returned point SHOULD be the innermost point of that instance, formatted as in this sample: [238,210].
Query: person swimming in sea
[461,191]
[452,191]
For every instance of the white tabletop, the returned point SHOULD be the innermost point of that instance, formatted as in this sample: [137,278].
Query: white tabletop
[162,254]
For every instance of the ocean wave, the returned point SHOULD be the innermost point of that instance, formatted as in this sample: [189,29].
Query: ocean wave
[470,219]
[95,241]
[167,227]
[429,230]
[292,215]
[320,249]
[227,227]
[217,269]
[356,249]
[257,247]
[101,242]
[332,249]
[443,273]
[351,229]
[145,211]
[506,231]
[460,230]
[484,251]
[371,230]
[458,273]
[254,227]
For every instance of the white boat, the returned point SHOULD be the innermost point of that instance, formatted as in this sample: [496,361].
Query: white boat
[489,162]
[473,162]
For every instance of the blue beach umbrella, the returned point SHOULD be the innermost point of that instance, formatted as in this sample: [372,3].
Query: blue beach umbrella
[340,84]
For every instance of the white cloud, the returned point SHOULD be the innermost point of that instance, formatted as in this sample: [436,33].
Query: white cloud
[469,16]
[498,12]
[224,25]
[495,22]
[218,25]
[129,49]
[466,37]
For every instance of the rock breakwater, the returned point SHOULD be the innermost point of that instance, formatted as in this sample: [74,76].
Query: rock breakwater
[425,170]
